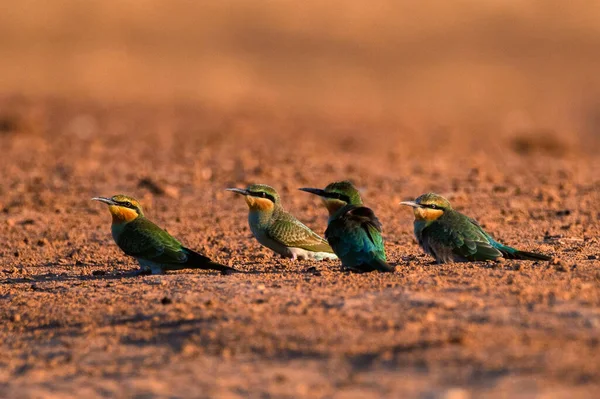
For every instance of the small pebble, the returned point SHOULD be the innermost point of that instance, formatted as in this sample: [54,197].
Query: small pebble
[166,301]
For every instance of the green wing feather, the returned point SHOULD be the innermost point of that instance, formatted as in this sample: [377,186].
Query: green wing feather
[463,235]
[143,239]
[290,232]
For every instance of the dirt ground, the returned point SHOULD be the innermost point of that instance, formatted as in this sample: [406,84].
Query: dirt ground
[494,104]
[74,323]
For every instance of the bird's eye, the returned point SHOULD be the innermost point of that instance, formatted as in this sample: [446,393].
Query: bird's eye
[264,195]
[433,206]
[127,204]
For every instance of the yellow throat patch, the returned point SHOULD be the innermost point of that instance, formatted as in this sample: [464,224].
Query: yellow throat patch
[121,214]
[259,204]
[333,205]
[427,214]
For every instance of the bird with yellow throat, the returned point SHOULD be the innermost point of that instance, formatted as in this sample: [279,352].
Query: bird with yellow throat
[279,230]
[155,250]
[450,236]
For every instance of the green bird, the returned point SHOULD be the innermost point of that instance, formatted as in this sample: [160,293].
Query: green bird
[277,229]
[155,249]
[353,230]
[450,236]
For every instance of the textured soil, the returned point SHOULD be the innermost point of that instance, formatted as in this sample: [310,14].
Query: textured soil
[75,323]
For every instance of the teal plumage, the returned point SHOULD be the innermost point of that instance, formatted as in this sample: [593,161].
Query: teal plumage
[355,236]
[353,231]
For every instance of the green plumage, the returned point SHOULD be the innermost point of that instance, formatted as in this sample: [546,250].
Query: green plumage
[289,231]
[277,229]
[154,249]
[141,238]
[454,237]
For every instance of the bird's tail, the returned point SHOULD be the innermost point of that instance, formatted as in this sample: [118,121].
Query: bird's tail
[381,265]
[513,253]
[198,261]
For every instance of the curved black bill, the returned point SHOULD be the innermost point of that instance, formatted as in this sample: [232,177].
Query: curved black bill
[108,201]
[410,203]
[316,191]
[238,191]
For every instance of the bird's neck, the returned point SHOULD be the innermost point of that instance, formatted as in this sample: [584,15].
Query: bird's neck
[338,212]
[427,215]
[333,206]
[122,215]
[419,225]
[120,221]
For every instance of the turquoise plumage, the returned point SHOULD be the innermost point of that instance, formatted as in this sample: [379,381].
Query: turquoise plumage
[353,231]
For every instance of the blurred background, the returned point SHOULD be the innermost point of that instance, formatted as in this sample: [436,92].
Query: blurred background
[496,67]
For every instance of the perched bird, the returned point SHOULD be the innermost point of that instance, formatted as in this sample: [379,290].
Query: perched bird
[277,229]
[155,249]
[353,230]
[450,236]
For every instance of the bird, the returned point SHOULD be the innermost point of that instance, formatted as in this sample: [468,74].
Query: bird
[450,236]
[353,230]
[277,229]
[155,250]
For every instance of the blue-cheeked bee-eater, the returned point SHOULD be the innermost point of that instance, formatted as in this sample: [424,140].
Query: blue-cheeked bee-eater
[277,229]
[155,250]
[353,230]
[450,236]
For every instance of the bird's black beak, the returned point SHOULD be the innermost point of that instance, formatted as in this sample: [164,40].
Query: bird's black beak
[316,191]
[411,203]
[239,191]
[108,201]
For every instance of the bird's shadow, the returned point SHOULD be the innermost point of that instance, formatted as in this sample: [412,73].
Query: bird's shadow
[104,276]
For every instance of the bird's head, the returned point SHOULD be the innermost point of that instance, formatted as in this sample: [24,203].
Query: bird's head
[429,207]
[337,195]
[123,209]
[259,197]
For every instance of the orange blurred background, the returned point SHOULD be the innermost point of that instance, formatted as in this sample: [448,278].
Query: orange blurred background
[496,66]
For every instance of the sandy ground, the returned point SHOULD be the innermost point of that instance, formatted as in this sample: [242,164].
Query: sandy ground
[493,104]
[74,323]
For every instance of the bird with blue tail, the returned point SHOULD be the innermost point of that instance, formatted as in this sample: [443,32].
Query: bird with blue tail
[450,236]
[353,230]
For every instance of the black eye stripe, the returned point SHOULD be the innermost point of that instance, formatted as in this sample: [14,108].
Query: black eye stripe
[262,194]
[340,197]
[127,204]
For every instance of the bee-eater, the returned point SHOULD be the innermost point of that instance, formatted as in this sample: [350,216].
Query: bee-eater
[277,229]
[155,249]
[450,236]
[353,230]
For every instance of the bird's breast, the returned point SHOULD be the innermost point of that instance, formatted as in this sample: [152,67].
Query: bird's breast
[258,221]
[117,229]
